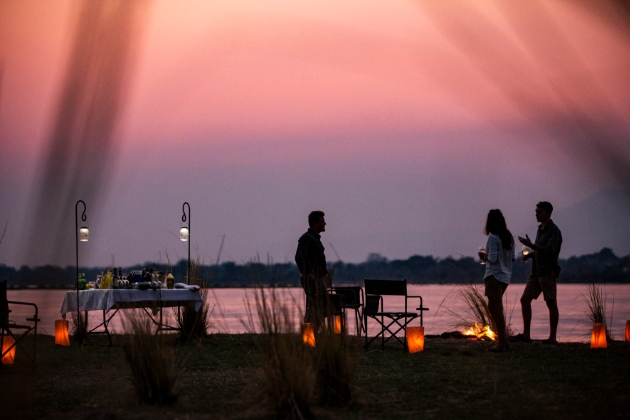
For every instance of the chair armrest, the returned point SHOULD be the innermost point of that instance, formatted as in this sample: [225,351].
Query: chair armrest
[421,308]
[35,318]
[358,297]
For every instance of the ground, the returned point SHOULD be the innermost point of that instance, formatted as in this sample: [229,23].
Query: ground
[220,377]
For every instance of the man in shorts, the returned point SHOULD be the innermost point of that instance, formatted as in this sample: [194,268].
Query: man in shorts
[545,271]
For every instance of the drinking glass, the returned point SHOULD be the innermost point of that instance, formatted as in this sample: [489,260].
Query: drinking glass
[482,249]
[526,251]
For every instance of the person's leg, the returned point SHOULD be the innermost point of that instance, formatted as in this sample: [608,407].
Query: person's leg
[526,310]
[554,316]
[495,305]
[549,288]
[531,292]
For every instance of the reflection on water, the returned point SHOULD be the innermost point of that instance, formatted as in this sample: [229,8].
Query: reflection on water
[230,313]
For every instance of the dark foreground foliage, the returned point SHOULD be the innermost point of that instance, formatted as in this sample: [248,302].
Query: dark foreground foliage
[220,378]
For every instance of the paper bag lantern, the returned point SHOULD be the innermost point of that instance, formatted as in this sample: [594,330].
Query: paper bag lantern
[308,335]
[338,324]
[9,357]
[598,337]
[628,331]
[415,339]
[61,332]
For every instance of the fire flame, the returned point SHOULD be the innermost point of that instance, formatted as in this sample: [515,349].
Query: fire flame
[481,332]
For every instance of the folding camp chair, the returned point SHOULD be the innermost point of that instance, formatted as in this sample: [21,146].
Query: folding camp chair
[391,322]
[7,327]
[353,299]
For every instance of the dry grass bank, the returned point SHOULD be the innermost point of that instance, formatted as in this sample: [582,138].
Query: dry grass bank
[221,375]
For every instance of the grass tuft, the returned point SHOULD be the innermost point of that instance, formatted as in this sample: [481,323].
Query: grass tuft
[194,325]
[151,360]
[595,306]
[334,365]
[474,311]
[79,326]
[286,361]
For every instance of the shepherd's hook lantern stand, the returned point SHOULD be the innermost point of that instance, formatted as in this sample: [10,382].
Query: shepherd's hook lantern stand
[81,234]
[184,235]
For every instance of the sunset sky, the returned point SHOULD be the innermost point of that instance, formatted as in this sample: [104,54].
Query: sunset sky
[404,121]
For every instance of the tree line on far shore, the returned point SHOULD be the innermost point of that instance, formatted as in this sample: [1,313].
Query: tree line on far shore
[601,267]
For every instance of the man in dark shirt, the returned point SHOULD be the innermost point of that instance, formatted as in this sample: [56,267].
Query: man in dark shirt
[311,262]
[545,271]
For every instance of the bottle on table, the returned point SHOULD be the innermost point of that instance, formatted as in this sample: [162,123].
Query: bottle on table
[107,282]
[81,281]
[170,281]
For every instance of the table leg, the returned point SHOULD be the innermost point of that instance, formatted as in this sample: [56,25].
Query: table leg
[107,329]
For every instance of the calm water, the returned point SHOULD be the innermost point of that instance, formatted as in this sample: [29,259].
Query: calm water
[230,312]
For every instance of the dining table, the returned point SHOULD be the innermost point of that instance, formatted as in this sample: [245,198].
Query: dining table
[111,301]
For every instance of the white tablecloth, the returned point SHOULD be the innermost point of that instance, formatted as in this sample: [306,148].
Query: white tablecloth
[105,300]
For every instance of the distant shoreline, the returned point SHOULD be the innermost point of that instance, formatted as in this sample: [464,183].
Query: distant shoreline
[289,286]
[601,267]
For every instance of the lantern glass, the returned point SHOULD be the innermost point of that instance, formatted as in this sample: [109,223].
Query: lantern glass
[628,331]
[61,332]
[598,337]
[308,335]
[415,339]
[9,358]
[84,234]
[184,234]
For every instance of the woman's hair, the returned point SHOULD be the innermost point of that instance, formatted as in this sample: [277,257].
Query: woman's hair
[495,223]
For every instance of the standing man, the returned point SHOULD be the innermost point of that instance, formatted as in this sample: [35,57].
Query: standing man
[311,262]
[545,271]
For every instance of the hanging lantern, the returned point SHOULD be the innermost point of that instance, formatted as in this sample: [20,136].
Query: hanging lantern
[338,324]
[61,332]
[415,339]
[628,331]
[9,357]
[84,234]
[308,335]
[184,233]
[598,337]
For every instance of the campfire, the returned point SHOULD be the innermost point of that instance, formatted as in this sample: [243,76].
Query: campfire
[479,332]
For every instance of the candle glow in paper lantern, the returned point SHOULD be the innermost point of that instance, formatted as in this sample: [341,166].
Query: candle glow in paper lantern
[184,234]
[338,324]
[8,358]
[415,339]
[308,335]
[598,337]
[61,332]
[628,331]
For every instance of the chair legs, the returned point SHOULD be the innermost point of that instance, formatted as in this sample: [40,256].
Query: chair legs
[393,322]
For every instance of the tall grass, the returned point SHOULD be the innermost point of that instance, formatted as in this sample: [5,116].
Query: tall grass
[79,326]
[595,306]
[151,359]
[286,361]
[298,375]
[195,324]
[473,309]
[334,365]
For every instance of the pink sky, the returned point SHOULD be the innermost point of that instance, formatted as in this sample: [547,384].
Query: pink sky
[404,121]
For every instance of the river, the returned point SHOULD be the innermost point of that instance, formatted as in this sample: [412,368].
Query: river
[230,314]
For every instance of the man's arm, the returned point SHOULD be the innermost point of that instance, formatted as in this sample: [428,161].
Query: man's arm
[551,248]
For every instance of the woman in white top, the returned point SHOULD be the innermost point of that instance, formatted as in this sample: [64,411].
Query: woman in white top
[498,256]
